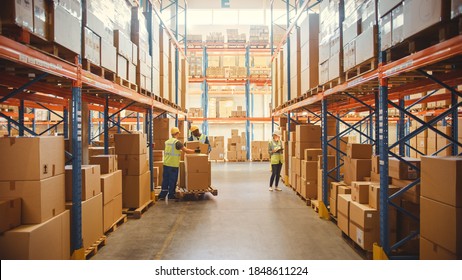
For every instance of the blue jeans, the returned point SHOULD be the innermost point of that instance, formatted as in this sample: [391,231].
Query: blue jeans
[169,180]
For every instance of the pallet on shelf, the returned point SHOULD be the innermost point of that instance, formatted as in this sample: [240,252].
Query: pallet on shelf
[367,255]
[136,213]
[126,83]
[93,249]
[361,69]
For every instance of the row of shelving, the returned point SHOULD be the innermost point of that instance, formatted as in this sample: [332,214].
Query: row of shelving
[385,94]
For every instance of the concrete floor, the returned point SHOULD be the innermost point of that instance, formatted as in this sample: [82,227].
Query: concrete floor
[244,222]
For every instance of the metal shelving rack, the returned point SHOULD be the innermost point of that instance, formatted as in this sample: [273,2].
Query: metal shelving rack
[62,81]
[427,70]
[246,82]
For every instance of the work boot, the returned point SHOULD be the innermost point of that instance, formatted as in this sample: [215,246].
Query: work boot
[270,189]
[278,189]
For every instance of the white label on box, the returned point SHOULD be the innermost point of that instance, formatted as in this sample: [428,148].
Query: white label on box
[369,215]
[359,237]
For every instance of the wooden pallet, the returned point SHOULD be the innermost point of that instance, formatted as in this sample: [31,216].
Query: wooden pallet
[367,255]
[99,71]
[182,193]
[236,160]
[333,83]
[137,212]
[122,220]
[145,92]
[315,205]
[126,83]
[361,69]
[93,249]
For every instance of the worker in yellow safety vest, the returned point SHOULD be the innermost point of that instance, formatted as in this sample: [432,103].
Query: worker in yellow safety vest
[277,159]
[196,135]
[172,155]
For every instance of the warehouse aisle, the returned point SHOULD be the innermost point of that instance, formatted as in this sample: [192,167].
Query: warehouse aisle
[245,221]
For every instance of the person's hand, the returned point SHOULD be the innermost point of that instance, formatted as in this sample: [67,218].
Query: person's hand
[275,150]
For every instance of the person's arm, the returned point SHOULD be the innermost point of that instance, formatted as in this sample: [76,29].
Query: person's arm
[270,151]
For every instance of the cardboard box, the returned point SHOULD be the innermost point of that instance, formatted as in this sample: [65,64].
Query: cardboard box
[300,148]
[374,195]
[419,16]
[400,170]
[112,212]
[375,164]
[333,206]
[130,144]
[334,189]
[359,151]
[356,169]
[204,148]
[108,163]
[96,151]
[91,185]
[46,241]
[309,170]
[92,219]
[31,158]
[307,133]
[19,13]
[441,179]
[366,45]
[364,225]
[298,167]
[311,191]
[343,190]
[63,24]
[197,163]
[312,154]
[413,194]
[197,181]
[385,29]
[360,192]
[343,212]
[133,164]
[456,8]
[442,224]
[41,200]
[432,251]
[111,186]
[136,190]
[375,177]
[158,155]
[10,213]
[385,6]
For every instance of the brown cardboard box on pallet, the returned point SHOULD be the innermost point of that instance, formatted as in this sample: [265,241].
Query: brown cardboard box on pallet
[308,133]
[312,154]
[309,170]
[41,200]
[91,185]
[10,213]
[130,144]
[136,190]
[364,225]
[112,211]
[31,159]
[356,169]
[108,163]
[96,151]
[374,195]
[198,172]
[334,189]
[92,219]
[343,212]
[49,240]
[441,224]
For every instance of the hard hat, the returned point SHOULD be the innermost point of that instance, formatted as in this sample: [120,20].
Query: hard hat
[277,133]
[194,128]
[174,130]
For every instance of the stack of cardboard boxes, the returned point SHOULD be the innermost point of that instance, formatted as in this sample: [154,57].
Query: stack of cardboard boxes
[309,174]
[91,205]
[309,53]
[131,151]
[306,137]
[239,113]
[198,173]
[358,163]
[162,133]
[111,188]
[237,146]
[195,113]
[260,150]
[218,147]
[32,184]
[441,209]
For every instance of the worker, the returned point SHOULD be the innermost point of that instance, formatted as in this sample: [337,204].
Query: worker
[196,135]
[277,159]
[172,154]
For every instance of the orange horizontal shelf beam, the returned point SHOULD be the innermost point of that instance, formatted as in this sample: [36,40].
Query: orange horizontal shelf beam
[16,114]
[229,120]
[29,57]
